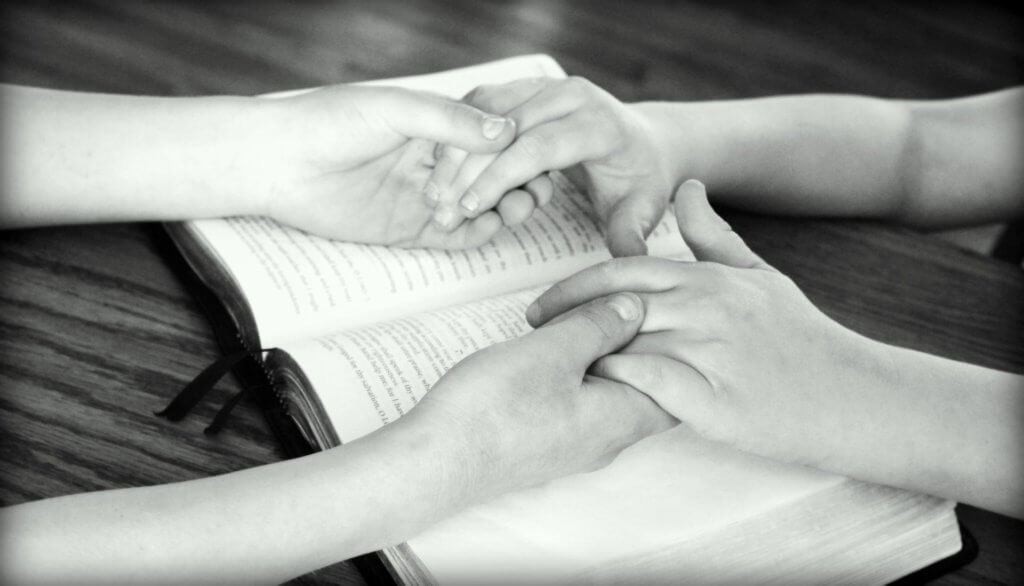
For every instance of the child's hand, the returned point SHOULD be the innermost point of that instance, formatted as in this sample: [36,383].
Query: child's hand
[560,123]
[526,410]
[731,346]
[350,163]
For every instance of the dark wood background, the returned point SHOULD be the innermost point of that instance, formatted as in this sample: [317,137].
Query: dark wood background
[97,333]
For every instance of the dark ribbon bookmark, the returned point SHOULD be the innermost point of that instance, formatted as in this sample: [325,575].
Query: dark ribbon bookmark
[193,393]
[225,411]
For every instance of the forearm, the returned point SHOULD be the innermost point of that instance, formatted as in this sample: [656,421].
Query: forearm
[936,426]
[934,164]
[73,157]
[263,525]
[800,155]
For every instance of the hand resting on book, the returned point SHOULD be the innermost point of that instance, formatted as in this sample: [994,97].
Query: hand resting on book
[528,412]
[509,416]
[735,350]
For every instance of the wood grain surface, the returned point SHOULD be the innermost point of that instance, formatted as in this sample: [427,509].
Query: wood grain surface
[97,333]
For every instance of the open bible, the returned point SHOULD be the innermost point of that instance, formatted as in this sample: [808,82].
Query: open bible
[358,334]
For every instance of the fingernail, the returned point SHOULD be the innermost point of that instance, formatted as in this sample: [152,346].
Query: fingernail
[493,125]
[626,305]
[445,218]
[533,312]
[432,193]
[470,201]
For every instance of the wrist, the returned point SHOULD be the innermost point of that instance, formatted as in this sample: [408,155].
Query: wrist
[669,147]
[857,396]
[253,153]
[688,138]
[458,456]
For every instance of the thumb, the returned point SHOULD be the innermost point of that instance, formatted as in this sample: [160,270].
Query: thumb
[629,223]
[709,237]
[594,329]
[429,116]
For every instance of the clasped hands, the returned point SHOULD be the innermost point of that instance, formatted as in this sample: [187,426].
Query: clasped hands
[727,345]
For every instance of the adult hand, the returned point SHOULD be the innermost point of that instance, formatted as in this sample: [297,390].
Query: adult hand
[350,163]
[731,346]
[561,123]
[526,410]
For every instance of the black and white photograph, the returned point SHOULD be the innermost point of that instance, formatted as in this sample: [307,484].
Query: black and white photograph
[483,292]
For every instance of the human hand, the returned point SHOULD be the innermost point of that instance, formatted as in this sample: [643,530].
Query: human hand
[731,346]
[350,163]
[526,410]
[561,124]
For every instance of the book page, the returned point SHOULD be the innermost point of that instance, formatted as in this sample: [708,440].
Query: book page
[667,489]
[458,82]
[299,286]
[665,493]
[675,508]
[368,377]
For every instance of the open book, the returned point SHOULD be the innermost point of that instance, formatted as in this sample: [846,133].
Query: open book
[360,333]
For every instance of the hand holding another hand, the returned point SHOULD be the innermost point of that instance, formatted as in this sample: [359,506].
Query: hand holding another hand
[350,163]
[732,347]
[561,124]
[526,410]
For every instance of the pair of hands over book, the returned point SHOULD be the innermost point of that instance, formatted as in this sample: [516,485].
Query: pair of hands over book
[362,332]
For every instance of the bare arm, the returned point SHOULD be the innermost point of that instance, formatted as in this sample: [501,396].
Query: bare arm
[72,158]
[735,350]
[262,525]
[344,162]
[480,431]
[932,164]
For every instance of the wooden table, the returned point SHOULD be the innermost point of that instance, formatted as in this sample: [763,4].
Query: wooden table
[97,332]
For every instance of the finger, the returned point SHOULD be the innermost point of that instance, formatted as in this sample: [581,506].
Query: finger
[639,274]
[630,222]
[595,329]
[448,160]
[678,337]
[516,207]
[622,412]
[555,145]
[453,175]
[433,117]
[674,385]
[448,213]
[471,234]
[446,219]
[441,190]
[709,237]
[541,188]
[559,99]
[503,97]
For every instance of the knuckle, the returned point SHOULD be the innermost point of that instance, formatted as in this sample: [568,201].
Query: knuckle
[598,318]
[473,96]
[481,97]
[705,241]
[534,146]
[649,378]
[577,85]
[604,119]
[607,270]
[454,110]
[448,155]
